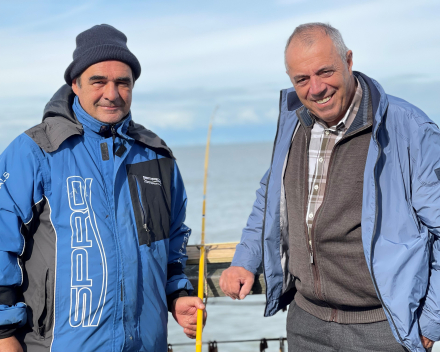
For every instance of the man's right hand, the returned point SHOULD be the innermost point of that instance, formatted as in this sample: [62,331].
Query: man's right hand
[236,282]
[10,344]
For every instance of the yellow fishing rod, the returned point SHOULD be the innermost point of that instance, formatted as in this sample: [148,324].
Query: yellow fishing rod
[201,289]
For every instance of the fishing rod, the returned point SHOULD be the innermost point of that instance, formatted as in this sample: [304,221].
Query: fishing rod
[202,243]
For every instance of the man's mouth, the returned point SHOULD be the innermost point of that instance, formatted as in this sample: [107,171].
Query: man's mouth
[325,100]
[109,107]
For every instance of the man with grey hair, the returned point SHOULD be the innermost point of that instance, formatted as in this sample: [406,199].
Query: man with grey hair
[347,220]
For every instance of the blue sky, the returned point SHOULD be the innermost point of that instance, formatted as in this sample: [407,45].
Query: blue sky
[197,54]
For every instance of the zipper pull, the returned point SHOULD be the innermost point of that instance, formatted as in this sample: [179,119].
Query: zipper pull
[112,128]
[147,230]
[311,251]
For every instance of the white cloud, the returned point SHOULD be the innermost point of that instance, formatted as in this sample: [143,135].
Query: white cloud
[156,118]
[244,115]
[194,60]
[185,51]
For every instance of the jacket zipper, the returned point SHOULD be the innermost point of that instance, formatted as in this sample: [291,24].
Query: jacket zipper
[372,241]
[317,281]
[306,198]
[113,130]
[117,242]
[309,238]
[143,214]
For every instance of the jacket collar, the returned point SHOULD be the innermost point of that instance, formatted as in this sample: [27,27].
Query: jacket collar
[96,126]
[379,100]
[60,123]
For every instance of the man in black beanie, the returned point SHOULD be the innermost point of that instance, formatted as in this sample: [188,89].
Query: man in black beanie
[95,207]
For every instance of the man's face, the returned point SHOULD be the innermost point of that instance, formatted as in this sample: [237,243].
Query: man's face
[104,90]
[323,82]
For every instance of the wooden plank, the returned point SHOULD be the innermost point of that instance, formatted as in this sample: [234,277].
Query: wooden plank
[219,257]
[215,253]
[214,271]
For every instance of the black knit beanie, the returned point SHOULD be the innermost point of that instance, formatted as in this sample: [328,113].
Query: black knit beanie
[100,43]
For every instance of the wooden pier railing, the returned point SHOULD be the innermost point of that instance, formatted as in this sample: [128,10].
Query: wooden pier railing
[218,258]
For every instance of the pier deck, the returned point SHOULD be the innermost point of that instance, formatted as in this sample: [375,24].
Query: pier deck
[218,258]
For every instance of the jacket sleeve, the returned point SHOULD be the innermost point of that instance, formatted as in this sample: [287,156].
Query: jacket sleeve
[177,284]
[426,202]
[20,188]
[248,252]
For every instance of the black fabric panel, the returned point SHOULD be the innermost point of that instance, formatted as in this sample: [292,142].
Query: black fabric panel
[61,104]
[362,117]
[29,229]
[150,190]
[39,273]
[174,269]
[375,95]
[121,150]
[304,117]
[8,295]
[286,298]
[176,294]
[150,139]
[293,101]
[49,134]
[7,330]
[104,151]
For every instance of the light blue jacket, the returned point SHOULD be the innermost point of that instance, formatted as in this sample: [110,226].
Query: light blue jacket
[400,216]
[92,234]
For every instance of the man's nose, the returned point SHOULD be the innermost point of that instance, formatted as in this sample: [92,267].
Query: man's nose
[111,91]
[317,86]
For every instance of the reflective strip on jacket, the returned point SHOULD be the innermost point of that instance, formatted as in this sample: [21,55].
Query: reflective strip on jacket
[400,216]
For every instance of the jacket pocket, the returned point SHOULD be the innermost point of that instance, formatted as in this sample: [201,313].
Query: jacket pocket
[43,321]
[150,190]
[143,231]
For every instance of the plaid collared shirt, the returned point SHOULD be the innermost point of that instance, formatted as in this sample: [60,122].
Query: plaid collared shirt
[322,141]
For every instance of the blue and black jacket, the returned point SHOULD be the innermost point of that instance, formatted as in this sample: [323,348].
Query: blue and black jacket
[92,239]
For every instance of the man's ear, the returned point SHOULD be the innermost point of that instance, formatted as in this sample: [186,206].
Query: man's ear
[75,87]
[349,60]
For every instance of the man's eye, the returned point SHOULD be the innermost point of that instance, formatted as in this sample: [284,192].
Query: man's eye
[326,73]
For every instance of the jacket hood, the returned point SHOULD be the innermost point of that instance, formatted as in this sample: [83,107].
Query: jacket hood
[59,123]
[61,105]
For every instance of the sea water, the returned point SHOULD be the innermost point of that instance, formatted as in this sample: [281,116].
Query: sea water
[233,177]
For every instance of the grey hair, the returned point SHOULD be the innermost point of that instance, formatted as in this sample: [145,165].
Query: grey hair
[307,32]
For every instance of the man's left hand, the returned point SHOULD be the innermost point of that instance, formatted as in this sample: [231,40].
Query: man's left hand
[184,311]
[427,343]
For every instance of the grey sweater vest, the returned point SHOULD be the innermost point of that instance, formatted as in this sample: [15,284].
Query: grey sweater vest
[337,286]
